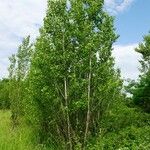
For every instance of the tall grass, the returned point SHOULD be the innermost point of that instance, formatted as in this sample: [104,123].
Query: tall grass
[21,138]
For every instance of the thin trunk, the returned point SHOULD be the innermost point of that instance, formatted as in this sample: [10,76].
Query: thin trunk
[89,99]
[67,113]
[66,101]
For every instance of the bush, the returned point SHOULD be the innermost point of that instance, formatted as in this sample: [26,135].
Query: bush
[4,94]
[123,129]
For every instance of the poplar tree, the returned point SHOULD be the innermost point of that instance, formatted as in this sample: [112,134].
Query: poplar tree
[12,86]
[18,70]
[72,80]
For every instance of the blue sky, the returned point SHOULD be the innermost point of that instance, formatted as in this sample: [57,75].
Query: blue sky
[21,18]
[134,22]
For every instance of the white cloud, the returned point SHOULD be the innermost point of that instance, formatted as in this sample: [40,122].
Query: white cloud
[24,17]
[127,60]
[116,6]
[17,20]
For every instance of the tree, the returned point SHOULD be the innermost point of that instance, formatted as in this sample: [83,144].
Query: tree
[141,88]
[72,80]
[144,50]
[18,70]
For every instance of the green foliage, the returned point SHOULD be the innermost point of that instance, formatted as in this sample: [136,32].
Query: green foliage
[141,88]
[18,71]
[123,128]
[4,94]
[130,138]
[66,89]
[141,94]
[72,80]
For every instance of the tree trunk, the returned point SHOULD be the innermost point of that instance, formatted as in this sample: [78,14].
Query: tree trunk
[66,100]
[89,98]
[67,115]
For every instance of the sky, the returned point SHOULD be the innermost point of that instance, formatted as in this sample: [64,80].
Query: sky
[19,18]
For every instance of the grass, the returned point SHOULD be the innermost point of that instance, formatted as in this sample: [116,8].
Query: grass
[21,138]
[133,135]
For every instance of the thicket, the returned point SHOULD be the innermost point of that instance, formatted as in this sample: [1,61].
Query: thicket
[65,84]
[4,94]
[70,82]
